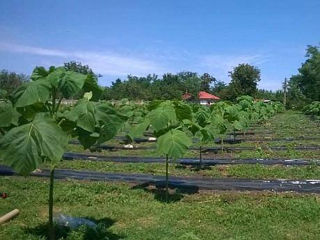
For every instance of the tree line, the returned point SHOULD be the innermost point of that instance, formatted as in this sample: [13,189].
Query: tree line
[301,89]
[304,87]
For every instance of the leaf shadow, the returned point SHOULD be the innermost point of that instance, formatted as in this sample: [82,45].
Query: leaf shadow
[195,167]
[176,192]
[84,232]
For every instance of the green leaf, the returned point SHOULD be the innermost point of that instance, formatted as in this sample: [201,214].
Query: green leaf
[192,126]
[208,134]
[174,143]
[110,121]
[32,92]
[86,139]
[219,123]
[39,73]
[3,94]
[28,145]
[67,82]
[29,112]
[162,116]
[71,83]
[6,113]
[202,117]
[183,111]
[237,125]
[84,115]
[138,130]
[87,95]
[55,76]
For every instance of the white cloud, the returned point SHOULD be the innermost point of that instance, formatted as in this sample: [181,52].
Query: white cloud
[101,62]
[220,65]
[149,61]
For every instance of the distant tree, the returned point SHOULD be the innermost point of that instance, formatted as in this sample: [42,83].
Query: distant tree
[190,83]
[244,80]
[218,86]
[206,81]
[295,97]
[271,95]
[78,67]
[308,79]
[9,81]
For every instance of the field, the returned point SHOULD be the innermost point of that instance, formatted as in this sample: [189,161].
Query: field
[125,210]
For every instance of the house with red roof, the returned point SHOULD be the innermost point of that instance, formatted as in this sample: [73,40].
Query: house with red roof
[204,98]
[207,98]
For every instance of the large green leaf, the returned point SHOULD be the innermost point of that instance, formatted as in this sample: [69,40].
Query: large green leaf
[183,111]
[110,121]
[54,77]
[219,123]
[191,126]
[162,116]
[67,82]
[95,122]
[174,143]
[138,130]
[71,83]
[86,139]
[84,115]
[39,73]
[26,146]
[6,113]
[32,92]
[3,94]
[208,134]
[202,117]
[29,112]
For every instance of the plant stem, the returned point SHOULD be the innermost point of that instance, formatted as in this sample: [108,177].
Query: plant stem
[53,107]
[222,148]
[200,155]
[51,229]
[58,105]
[167,178]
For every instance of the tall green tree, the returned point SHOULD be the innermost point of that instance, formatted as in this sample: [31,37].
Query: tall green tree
[79,68]
[244,80]
[206,81]
[308,78]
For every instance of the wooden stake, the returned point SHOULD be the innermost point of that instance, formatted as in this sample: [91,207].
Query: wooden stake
[9,216]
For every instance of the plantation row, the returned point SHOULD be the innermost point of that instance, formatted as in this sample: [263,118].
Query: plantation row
[36,128]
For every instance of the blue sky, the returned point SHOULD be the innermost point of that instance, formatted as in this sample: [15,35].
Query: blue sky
[118,37]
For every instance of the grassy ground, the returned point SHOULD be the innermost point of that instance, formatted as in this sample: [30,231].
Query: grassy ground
[285,125]
[125,212]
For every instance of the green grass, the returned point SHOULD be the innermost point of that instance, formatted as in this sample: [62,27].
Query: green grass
[289,124]
[123,211]
[136,214]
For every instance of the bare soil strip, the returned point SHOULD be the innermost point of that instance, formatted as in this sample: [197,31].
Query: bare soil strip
[304,186]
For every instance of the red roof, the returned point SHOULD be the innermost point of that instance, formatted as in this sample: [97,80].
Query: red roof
[205,95]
